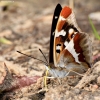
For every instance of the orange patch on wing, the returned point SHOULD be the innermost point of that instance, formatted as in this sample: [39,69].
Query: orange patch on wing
[66,11]
[60,25]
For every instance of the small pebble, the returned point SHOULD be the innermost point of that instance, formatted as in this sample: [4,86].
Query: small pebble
[93,87]
[77,91]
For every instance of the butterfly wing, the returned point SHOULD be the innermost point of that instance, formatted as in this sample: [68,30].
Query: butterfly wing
[71,47]
[54,23]
[60,33]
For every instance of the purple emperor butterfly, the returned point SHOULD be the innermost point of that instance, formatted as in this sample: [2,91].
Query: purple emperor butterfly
[70,49]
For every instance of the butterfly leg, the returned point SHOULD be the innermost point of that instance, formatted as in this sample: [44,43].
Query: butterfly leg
[45,79]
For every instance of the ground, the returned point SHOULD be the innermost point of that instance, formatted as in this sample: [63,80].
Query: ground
[26,26]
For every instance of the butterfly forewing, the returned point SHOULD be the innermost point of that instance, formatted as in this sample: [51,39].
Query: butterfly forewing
[53,27]
[60,33]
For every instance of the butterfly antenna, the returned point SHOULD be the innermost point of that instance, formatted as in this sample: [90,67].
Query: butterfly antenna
[33,57]
[43,55]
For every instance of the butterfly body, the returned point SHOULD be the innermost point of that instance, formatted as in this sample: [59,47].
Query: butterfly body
[70,49]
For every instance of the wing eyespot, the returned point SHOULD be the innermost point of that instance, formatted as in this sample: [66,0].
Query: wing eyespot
[72,35]
[58,48]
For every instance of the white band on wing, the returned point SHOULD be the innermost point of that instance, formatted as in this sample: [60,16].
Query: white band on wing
[62,33]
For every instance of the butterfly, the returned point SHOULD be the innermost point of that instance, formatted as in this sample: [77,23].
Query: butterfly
[70,48]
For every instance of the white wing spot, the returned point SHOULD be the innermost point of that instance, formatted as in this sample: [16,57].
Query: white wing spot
[71,31]
[56,17]
[62,32]
[53,33]
[58,47]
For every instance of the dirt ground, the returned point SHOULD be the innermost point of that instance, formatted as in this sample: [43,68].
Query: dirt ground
[26,27]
